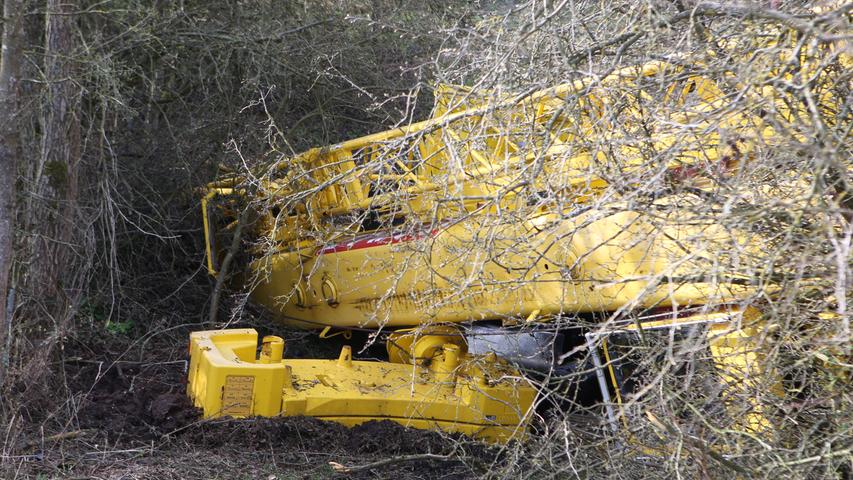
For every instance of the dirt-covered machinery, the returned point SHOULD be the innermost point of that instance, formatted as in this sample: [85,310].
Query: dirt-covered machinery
[473,239]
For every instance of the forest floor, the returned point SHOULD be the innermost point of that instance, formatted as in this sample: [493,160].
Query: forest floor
[131,419]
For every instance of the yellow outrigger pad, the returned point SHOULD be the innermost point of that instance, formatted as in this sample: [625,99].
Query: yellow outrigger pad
[479,396]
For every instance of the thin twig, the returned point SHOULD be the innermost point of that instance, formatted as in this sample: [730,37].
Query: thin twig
[391,461]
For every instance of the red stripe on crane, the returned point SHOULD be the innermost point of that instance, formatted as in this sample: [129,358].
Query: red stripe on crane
[376,241]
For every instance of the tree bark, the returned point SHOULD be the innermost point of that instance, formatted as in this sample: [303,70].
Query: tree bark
[53,217]
[9,71]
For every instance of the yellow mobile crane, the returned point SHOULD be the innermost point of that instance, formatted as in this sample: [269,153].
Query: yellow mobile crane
[439,234]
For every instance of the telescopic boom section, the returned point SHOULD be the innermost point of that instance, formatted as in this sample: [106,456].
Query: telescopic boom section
[393,228]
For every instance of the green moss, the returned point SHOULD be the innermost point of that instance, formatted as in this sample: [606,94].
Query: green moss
[57,174]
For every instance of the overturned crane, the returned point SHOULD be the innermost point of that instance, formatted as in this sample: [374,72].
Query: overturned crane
[479,242]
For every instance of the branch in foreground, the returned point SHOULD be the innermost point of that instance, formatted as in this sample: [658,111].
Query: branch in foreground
[390,461]
[713,9]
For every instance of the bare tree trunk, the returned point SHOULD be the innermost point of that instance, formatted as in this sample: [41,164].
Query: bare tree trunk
[53,219]
[9,71]
[9,68]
